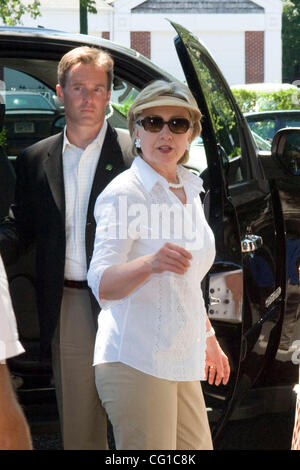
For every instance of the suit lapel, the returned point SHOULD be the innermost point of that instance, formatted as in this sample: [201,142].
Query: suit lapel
[109,165]
[54,172]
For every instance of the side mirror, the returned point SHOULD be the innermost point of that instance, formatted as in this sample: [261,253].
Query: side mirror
[286,149]
[284,159]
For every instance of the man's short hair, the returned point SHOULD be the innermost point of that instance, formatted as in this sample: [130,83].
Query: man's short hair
[85,55]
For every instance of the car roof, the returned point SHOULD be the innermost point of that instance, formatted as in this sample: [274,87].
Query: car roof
[82,39]
[23,92]
[264,87]
[64,35]
[275,112]
[42,48]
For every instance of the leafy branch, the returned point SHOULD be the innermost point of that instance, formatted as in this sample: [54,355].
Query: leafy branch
[90,5]
[11,11]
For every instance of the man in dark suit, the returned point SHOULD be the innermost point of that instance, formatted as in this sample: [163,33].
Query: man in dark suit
[58,181]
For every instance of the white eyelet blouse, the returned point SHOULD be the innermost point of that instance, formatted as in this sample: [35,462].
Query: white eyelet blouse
[159,328]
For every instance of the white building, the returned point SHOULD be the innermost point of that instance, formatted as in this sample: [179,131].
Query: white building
[243,36]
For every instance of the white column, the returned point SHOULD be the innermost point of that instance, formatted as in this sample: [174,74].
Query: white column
[121,23]
[273,48]
[273,43]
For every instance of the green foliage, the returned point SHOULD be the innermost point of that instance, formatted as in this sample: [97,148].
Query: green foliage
[90,5]
[125,105]
[250,101]
[85,7]
[221,111]
[3,138]
[11,11]
[291,40]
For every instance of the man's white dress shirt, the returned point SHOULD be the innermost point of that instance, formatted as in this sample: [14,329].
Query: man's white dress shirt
[160,327]
[9,339]
[79,168]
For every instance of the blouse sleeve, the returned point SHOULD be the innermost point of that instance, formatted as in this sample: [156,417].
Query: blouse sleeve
[9,339]
[112,240]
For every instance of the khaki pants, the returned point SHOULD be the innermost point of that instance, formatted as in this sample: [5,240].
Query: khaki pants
[148,413]
[82,417]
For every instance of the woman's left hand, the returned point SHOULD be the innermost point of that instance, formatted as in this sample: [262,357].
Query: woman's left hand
[217,367]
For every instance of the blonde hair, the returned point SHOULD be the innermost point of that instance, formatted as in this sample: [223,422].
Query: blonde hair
[85,55]
[156,91]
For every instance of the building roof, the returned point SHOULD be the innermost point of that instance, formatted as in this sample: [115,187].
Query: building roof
[198,6]
[71,4]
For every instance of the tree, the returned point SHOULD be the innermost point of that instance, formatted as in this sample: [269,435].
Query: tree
[11,11]
[86,6]
[291,40]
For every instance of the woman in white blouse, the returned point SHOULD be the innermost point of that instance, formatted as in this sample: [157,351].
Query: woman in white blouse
[153,247]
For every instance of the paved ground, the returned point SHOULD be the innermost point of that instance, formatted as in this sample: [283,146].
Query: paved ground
[267,432]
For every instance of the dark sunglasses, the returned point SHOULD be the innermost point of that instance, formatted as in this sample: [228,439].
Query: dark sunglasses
[156,123]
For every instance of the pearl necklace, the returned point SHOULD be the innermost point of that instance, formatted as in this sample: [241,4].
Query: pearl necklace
[176,185]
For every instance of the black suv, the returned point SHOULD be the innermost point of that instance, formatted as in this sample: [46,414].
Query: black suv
[252,204]
[267,123]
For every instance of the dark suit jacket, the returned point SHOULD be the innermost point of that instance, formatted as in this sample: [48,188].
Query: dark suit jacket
[38,216]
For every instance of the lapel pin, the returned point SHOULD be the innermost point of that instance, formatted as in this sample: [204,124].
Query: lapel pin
[109,167]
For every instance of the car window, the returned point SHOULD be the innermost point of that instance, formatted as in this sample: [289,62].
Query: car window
[33,111]
[261,143]
[265,127]
[122,95]
[15,100]
[293,121]
[30,111]
[197,161]
[222,115]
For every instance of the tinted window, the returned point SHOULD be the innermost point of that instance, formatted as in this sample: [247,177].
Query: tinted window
[264,127]
[30,113]
[293,121]
[33,111]
[26,101]
[222,115]
[267,125]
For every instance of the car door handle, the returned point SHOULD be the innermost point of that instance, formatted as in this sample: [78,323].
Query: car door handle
[214,300]
[251,243]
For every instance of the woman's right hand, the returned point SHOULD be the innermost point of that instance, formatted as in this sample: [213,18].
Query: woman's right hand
[120,280]
[170,257]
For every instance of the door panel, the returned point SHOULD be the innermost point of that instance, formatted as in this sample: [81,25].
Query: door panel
[241,215]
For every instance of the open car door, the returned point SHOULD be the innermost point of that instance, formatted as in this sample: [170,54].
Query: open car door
[244,290]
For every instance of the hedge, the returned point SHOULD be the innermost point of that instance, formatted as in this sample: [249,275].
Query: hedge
[250,101]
